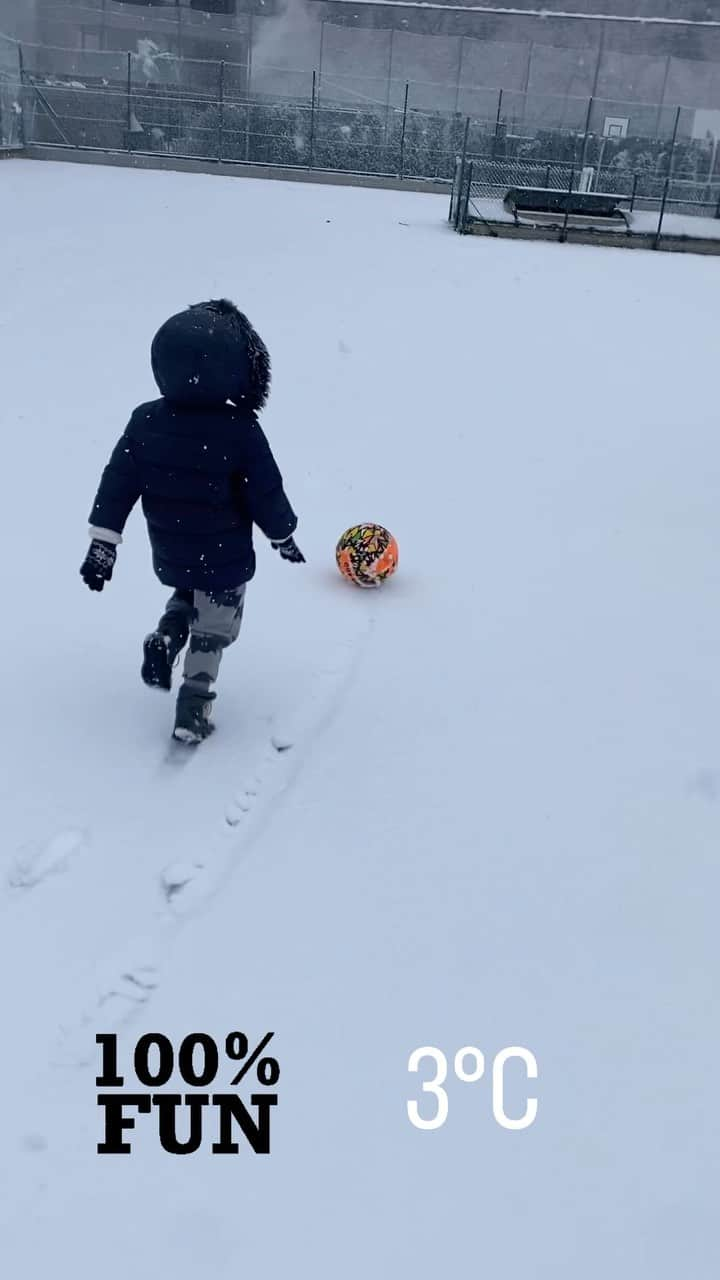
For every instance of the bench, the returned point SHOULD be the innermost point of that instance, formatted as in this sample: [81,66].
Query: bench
[586,208]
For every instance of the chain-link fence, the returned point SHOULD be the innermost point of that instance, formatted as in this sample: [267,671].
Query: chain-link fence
[11,118]
[154,102]
[492,179]
[559,201]
[202,110]
[640,189]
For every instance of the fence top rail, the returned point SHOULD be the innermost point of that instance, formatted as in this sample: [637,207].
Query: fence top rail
[544,14]
[177,11]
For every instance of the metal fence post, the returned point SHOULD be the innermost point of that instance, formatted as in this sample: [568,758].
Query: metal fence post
[21,72]
[466,135]
[461,174]
[129,99]
[389,85]
[674,143]
[313,104]
[634,192]
[221,108]
[454,190]
[563,233]
[666,77]
[586,136]
[466,200]
[526,86]
[320,57]
[459,74]
[248,83]
[497,123]
[658,234]
[401,168]
[598,64]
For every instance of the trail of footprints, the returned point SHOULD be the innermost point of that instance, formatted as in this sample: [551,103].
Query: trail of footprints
[246,796]
[185,883]
[131,975]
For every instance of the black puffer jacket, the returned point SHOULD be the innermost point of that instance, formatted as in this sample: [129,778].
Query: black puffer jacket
[202,466]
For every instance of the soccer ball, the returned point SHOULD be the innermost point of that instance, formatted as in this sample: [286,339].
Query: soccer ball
[367,554]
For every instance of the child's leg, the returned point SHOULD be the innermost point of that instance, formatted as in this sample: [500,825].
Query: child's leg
[175,621]
[162,646]
[215,625]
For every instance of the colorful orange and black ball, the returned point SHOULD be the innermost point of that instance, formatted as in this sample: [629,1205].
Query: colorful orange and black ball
[367,554]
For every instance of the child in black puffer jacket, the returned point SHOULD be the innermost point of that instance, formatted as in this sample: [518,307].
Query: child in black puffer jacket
[200,463]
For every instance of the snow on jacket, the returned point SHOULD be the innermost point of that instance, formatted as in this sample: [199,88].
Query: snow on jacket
[201,466]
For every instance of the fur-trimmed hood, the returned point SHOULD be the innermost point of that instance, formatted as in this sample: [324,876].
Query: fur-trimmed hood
[210,354]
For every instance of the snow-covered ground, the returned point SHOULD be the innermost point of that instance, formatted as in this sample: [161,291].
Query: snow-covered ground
[677,224]
[498,822]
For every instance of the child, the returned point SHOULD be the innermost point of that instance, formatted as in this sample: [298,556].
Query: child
[200,462]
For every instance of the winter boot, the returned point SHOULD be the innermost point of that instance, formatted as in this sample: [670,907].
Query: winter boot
[161,650]
[192,715]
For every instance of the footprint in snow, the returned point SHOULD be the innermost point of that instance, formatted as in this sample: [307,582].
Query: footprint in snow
[126,982]
[185,885]
[247,795]
[182,884]
[34,863]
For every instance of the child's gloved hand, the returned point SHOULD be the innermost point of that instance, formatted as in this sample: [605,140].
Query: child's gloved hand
[289,550]
[97,567]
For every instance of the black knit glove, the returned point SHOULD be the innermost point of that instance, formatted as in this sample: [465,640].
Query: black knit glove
[289,550]
[97,567]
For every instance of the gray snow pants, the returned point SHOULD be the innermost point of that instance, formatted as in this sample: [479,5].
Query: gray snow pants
[213,620]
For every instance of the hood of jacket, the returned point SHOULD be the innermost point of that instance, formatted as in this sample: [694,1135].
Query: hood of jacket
[210,354]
